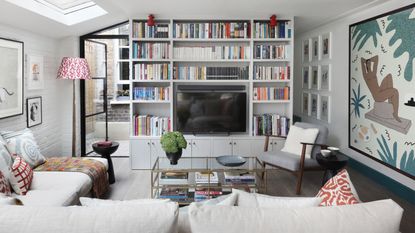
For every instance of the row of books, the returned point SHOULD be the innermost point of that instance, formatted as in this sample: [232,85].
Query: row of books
[210,73]
[151,50]
[206,177]
[264,51]
[283,29]
[151,93]
[235,177]
[145,125]
[202,194]
[145,71]
[174,178]
[211,30]
[142,30]
[272,93]
[272,72]
[180,195]
[270,124]
[212,52]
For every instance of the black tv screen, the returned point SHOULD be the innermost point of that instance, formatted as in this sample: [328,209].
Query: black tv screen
[210,112]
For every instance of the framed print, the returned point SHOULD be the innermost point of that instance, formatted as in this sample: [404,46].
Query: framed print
[306,50]
[382,89]
[325,47]
[314,77]
[35,69]
[324,78]
[324,108]
[314,105]
[306,77]
[11,78]
[34,111]
[314,48]
[306,103]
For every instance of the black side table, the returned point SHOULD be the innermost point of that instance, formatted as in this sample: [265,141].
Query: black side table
[105,152]
[332,164]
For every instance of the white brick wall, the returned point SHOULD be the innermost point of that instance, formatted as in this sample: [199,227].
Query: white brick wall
[56,101]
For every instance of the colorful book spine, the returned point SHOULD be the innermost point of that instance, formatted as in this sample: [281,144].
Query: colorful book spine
[270,124]
[144,71]
[142,30]
[151,50]
[272,73]
[145,125]
[182,72]
[151,93]
[272,93]
[212,52]
[282,30]
[219,30]
[264,51]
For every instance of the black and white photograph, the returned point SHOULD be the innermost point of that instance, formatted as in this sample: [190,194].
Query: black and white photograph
[11,78]
[306,103]
[314,105]
[306,50]
[34,111]
[325,77]
[314,77]
[306,77]
[325,46]
[315,49]
[324,108]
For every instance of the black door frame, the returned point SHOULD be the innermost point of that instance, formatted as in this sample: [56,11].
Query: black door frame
[90,37]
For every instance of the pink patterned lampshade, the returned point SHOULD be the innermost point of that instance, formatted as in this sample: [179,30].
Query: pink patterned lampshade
[74,68]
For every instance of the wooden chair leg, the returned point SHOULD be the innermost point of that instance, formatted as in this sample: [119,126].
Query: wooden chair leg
[299,181]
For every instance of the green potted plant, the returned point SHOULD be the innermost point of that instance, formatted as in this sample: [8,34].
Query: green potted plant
[173,144]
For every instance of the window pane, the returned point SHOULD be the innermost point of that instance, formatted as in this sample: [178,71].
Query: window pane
[94,96]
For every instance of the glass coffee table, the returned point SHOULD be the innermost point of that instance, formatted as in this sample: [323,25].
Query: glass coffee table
[200,178]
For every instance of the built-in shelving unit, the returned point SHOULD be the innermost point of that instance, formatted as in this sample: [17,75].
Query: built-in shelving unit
[232,35]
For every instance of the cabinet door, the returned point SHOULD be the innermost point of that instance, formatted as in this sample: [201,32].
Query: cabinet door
[241,148]
[257,146]
[222,147]
[201,148]
[140,154]
[156,151]
[188,151]
[277,144]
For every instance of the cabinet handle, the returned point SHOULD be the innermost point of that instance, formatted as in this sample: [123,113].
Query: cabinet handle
[153,143]
[194,143]
[234,143]
[190,144]
[230,143]
[148,143]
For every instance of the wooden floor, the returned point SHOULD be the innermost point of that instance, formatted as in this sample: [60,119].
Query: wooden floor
[136,184]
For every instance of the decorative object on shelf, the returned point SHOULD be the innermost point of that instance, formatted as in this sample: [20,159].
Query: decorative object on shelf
[333,150]
[314,77]
[35,81]
[273,21]
[11,78]
[324,78]
[231,160]
[150,20]
[325,46]
[314,105]
[34,111]
[173,144]
[324,108]
[306,50]
[314,49]
[381,79]
[306,103]
[74,68]
[306,77]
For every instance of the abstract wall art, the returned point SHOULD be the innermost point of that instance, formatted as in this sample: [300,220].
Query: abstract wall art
[382,89]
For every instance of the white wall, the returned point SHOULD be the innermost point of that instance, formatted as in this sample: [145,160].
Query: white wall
[54,95]
[339,114]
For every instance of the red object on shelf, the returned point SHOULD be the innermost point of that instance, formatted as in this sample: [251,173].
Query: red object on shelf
[150,20]
[104,143]
[273,20]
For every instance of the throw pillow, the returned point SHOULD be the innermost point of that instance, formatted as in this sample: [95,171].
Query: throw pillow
[4,185]
[255,200]
[338,191]
[86,201]
[21,177]
[296,136]
[24,144]
[6,160]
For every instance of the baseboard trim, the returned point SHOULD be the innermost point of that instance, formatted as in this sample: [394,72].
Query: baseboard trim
[387,182]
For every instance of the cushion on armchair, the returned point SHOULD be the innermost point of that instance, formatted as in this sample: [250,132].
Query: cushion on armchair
[296,136]
[287,160]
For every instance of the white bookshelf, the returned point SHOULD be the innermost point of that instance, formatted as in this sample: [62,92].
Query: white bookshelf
[255,107]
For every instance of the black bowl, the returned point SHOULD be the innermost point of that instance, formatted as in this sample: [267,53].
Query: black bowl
[231,160]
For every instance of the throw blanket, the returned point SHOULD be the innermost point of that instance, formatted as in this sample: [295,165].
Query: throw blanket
[94,169]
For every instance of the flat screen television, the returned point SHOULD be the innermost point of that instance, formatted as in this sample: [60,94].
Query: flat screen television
[208,112]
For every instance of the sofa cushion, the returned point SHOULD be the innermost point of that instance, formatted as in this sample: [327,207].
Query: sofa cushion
[372,217]
[60,197]
[6,159]
[86,201]
[286,160]
[155,218]
[296,136]
[4,185]
[21,176]
[23,143]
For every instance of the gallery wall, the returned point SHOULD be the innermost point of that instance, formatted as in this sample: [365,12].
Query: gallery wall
[338,126]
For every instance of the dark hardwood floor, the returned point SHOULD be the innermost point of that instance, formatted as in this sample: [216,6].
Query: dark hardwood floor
[136,184]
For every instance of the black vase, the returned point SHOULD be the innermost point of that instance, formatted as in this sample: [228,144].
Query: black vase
[174,157]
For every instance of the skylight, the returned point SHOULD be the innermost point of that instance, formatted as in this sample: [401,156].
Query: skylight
[68,12]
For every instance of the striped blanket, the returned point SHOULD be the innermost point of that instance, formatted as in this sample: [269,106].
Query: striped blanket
[94,169]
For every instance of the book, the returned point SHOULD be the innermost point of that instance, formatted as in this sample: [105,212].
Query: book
[271,72]
[204,178]
[151,93]
[146,125]
[145,71]
[142,30]
[174,178]
[270,124]
[211,30]
[150,50]
[271,93]
[206,52]
[183,72]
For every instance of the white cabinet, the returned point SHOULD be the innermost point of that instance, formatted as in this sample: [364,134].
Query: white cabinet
[201,148]
[276,144]
[257,147]
[240,147]
[140,151]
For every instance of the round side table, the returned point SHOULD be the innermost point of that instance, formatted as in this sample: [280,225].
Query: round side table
[332,164]
[105,152]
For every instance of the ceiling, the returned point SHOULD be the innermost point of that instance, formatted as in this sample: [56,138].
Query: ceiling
[309,13]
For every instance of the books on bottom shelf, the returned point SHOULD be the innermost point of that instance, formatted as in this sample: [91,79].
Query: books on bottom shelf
[235,177]
[146,125]
[174,178]
[175,194]
[270,124]
[206,177]
[202,194]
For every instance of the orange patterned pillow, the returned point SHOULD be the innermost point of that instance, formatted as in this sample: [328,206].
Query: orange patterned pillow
[338,191]
[21,177]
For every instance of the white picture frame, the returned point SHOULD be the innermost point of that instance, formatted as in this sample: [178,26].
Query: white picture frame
[306,50]
[315,49]
[306,103]
[325,46]
[314,105]
[306,77]
[314,77]
[35,69]
[324,79]
[324,108]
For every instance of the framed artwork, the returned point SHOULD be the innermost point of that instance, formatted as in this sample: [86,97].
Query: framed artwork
[306,77]
[325,46]
[306,50]
[314,49]
[324,108]
[11,78]
[314,105]
[34,111]
[324,78]
[35,79]
[306,103]
[382,89]
[314,77]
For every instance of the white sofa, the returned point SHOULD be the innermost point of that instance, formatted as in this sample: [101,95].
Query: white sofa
[58,188]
